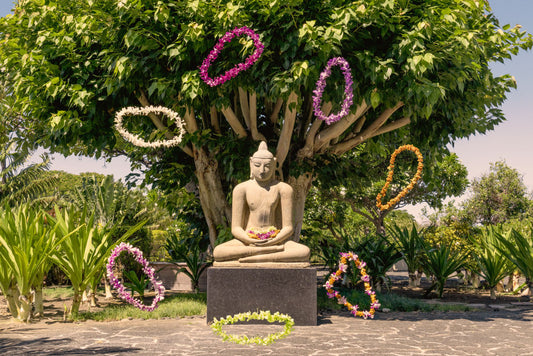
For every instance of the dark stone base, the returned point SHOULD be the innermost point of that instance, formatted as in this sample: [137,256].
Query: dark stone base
[289,291]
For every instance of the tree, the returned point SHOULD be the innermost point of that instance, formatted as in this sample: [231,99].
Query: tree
[421,70]
[498,195]
[443,176]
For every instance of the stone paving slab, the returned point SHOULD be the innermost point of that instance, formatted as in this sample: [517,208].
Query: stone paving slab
[486,332]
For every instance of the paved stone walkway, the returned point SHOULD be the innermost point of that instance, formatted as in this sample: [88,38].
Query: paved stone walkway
[487,332]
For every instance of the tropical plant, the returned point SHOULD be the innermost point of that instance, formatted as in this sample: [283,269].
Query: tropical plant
[422,65]
[518,248]
[188,250]
[20,181]
[440,263]
[27,243]
[380,256]
[493,266]
[410,244]
[136,284]
[85,249]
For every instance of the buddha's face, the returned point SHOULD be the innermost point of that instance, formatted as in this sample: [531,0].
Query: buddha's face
[262,169]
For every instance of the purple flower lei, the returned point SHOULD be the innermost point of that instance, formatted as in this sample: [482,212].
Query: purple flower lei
[149,271]
[321,85]
[233,72]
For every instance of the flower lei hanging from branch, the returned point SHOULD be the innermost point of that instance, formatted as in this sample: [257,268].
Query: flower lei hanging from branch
[343,267]
[149,271]
[262,315]
[411,185]
[142,111]
[233,72]
[263,234]
[321,85]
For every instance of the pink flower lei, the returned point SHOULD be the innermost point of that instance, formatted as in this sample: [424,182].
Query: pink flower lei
[233,72]
[343,266]
[149,271]
[321,85]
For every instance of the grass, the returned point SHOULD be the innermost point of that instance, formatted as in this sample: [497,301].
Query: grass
[57,292]
[182,305]
[179,305]
[390,301]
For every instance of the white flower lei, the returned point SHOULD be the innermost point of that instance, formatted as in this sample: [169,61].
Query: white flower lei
[262,315]
[136,140]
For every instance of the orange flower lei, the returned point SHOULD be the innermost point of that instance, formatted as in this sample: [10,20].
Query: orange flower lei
[343,266]
[411,185]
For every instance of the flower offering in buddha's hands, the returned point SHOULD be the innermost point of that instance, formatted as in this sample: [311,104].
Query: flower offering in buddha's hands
[263,233]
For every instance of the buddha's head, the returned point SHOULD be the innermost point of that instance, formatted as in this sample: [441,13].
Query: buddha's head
[262,164]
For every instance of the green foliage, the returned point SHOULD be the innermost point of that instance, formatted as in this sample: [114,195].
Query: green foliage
[19,181]
[136,284]
[493,265]
[27,243]
[518,248]
[380,256]
[84,250]
[73,64]
[410,243]
[394,302]
[188,250]
[174,306]
[440,263]
[498,196]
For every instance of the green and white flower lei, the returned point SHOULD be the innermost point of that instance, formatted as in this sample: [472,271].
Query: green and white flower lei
[262,315]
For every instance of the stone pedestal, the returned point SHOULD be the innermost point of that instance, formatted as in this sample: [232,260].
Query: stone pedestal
[289,291]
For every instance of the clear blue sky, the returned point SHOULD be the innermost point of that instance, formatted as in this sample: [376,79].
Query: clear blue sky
[511,141]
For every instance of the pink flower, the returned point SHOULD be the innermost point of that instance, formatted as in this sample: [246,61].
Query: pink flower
[149,271]
[233,72]
[365,278]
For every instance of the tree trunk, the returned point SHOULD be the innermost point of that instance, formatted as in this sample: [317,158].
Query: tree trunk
[12,298]
[76,301]
[38,303]
[493,293]
[24,312]
[107,288]
[413,280]
[301,187]
[216,209]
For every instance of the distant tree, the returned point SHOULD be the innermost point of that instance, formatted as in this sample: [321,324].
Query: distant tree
[443,176]
[498,196]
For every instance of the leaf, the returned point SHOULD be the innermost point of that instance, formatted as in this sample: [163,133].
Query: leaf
[375,99]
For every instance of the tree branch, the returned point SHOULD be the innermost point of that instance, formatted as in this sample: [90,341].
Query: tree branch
[214,119]
[253,118]
[234,122]
[275,112]
[307,150]
[323,138]
[245,109]
[286,132]
[143,99]
[347,145]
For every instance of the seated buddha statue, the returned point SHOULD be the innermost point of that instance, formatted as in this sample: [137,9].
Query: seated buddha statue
[262,220]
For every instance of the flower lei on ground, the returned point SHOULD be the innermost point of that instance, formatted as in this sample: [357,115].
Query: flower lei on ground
[321,85]
[136,140]
[411,185]
[263,234]
[233,72]
[343,267]
[262,315]
[149,271]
